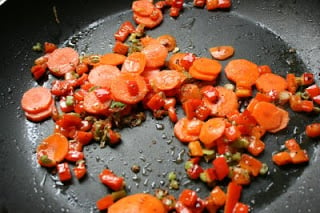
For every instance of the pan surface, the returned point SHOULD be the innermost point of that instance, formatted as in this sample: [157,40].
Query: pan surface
[282,34]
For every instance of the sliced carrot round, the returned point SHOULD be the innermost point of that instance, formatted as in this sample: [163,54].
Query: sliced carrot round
[207,66]
[211,130]
[40,116]
[142,203]
[129,88]
[134,63]
[187,130]
[62,60]
[93,105]
[242,72]
[221,52]
[143,8]
[271,82]
[284,121]
[151,21]
[168,79]
[174,61]
[267,115]
[156,55]
[226,104]
[168,41]
[103,75]
[112,59]
[36,99]
[52,150]
[200,76]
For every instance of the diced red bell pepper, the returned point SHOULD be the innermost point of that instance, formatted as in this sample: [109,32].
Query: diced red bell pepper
[74,156]
[221,167]
[111,180]
[38,70]
[188,197]
[83,137]
[187,60]
[105,202]
[194,170]
[61,87]
[313,90]
[307,78]
[124,31]
[80,170]
[232,133]
[69,120]
[49,47]
[250,163]
[156,102]
[103,94]
[233,196]
[64,172]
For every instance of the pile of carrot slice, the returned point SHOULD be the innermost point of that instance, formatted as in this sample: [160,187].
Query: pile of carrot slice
[93,95]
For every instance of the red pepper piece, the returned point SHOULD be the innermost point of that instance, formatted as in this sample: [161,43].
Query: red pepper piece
[111,180]
[61,88]
[233,196]
[221,167]
[307,79]
[64,172]
[224,4]
[105,202]
[124,31]
[187,60]
[132,88]
[313,90]
[194,171]
[69,120]
[156,101]
[80,170]
[211,93]
[38,70]
[74,156]
[49,47]
[188,197]
[199,3]
[240,208]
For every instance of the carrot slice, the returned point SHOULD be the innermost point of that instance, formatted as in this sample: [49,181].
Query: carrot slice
[221,52]
[112,59]
[242,72]
[189,91]
[211,130]
[129,88]
[271,82]
[62,60]
[174,61]
[226,104]
[93,105]
[143,8]
[168,79]
[267,115]
[103,75]
[156,55]
[40,116]
[52,150]
[207,66]
[36,99]
[134,63]
[284,121]
[200,76]
[187,130]
[151,21]
[168,41]
[142,203]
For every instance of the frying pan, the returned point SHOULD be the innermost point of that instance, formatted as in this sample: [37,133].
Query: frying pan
[282,34]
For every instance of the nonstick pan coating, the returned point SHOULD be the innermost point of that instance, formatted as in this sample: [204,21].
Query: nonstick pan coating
[282,34]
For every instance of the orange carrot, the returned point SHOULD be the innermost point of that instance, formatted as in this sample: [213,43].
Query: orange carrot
[211,130]
[271,82]
[93,105]
[134,63]
[168,79]
[221,52]
[40,116]
[142,8]
[243,72]
[187,130]
[142,203]
[189,91]
[200,76]
[156,55]
[103,75]
[37,99]
[207,66]
[227,102]
[112,59]
[284,121]
[168,41]
[151,21]
[52,150]
[62,60]
[267,115]
[129,88]
[174,61]
[195,149]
